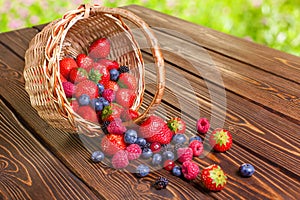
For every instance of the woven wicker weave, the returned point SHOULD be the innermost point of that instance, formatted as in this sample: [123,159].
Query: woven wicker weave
[72,35]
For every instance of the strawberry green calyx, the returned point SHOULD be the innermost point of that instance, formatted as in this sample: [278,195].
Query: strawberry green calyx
[106,112]
[221,137]
[174,125]
[95,75]
[218,177]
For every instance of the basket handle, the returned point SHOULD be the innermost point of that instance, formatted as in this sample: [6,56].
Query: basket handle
[155,49]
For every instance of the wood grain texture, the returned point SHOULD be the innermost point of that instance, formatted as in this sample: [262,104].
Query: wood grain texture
[271,60]
[28,170]
[262,137]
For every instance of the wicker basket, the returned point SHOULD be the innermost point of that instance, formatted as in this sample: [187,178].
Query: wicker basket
[72,35]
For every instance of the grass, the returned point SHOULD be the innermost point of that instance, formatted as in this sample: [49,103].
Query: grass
[274,23]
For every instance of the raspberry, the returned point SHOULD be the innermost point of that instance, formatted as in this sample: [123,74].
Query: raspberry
[120,160]
[184,154]
[133,151]
[109,95]
[69,89]
[190,170]
[197,147]
[203,125]
[116,127]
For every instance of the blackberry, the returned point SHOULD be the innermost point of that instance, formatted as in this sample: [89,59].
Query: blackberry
[161,183]
[104,127]
[123,69]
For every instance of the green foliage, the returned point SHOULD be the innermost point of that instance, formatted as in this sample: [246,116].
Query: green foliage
[275,23]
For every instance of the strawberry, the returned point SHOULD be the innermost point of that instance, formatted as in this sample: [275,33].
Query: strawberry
[86,87]
[111,85]
[109,64]
[84,61]
[111,112]
[176,125]
[220,140]
[66,65]
[99,48]
[151,126]
[125,97]
[127,80]
[129,114]
[112,143]
[74,104]
[116,127]
[163,136]
[87,113]
[62,78]
[99,73]
[213,178]
[77,75]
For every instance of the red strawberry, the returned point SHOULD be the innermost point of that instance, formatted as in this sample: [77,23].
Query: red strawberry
[151,126]
[112,143]
[74,104]
[129,114]
[134,151]
[220,140]
[190,170]
[125,97]
[66,65]
[109,64]
[62,78]
[127,80]
[116,127]
[176,125]
[111,85]
[99,74]
[86,87]
[84,61]
[77,75]
[120,160]
[99,48]
[213,178]
[163,136]
[111,112]
[87,113]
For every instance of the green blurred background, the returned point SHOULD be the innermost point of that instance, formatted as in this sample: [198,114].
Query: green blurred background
[274,23]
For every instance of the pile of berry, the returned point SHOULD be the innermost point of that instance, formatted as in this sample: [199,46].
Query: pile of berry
[101,91]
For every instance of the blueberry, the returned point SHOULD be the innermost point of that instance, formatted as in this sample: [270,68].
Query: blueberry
[179,139]
[100,88]
[176,171]
[97,156]
[141,142]
[168,155]
[246,170]
[130,136]
[84,100]
[114,74]
[195,138]
[156,159]
[142,170]
[97,104]
[104,101]
[147,153]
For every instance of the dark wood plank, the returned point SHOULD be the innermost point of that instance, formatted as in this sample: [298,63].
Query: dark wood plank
[274,93]
[28,170]
[271,60]
[74,153]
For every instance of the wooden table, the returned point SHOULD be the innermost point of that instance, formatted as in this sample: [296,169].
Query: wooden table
[261,89]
